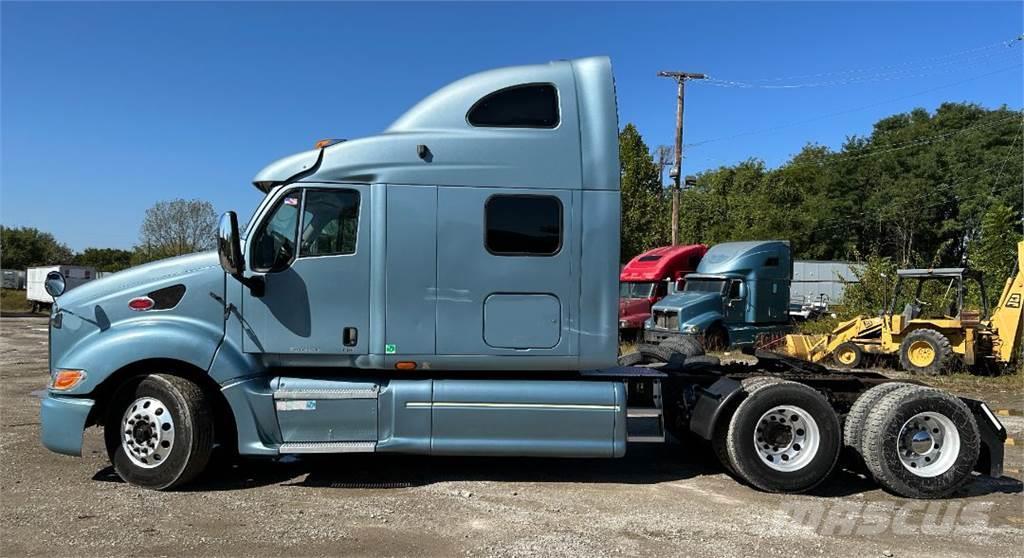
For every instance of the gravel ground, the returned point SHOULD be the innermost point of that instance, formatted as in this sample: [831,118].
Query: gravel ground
[665,500]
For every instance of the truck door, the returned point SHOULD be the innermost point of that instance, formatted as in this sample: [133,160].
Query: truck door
[735,302]
[311,248]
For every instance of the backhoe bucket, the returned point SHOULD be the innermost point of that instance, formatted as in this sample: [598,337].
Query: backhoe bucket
[806,347]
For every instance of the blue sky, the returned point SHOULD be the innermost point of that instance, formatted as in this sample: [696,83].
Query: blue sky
[108,108]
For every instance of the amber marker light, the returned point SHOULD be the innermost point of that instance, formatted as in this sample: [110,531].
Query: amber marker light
[405,365]
[67,379]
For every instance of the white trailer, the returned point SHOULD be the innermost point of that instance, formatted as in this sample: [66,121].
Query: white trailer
[74,275]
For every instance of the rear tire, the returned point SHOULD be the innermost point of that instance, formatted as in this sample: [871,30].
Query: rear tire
[848,355]
[855,422]
[925,351]
[921,442]
[159,431]
[784,437]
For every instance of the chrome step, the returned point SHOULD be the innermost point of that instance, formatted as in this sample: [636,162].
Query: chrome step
[643,413]
[328,447]
[327,393]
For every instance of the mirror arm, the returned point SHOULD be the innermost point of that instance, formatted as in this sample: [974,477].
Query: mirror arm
[255,284]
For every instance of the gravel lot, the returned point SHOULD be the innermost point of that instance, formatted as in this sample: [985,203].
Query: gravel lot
[657,500]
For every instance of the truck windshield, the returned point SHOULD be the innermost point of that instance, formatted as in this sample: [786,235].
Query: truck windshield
[633,289]
[705,285]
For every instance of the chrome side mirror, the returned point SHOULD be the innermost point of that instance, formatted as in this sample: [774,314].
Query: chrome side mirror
[54,285]
[229,246]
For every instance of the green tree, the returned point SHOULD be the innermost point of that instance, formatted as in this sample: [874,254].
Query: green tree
[644,216]
[915,190]
[994,253]
[176,227]
[25,247]
[104,259]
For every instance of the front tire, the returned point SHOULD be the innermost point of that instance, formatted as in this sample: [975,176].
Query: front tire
[159,431]
[784,437]
[848,355]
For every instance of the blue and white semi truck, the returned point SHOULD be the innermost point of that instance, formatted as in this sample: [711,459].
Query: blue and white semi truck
[449,287]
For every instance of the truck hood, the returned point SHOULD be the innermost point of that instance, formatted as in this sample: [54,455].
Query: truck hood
[690,304]
[144,278]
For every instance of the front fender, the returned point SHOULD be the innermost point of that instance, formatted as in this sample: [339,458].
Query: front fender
[701,321]
[104,352]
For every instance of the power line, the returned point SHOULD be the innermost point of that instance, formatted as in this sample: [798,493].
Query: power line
[846,111]
[876,75]
[1010,43]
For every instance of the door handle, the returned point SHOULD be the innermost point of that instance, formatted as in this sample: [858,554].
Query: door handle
[350,336]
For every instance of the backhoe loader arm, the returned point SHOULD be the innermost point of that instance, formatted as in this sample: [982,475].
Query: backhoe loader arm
[1006,318]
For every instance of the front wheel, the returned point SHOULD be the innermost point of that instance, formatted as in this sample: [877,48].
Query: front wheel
[848,355]
[159,431]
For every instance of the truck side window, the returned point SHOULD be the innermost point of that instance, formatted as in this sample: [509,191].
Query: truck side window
[734,290]
[274,243]
[330,222]
[523,225]
[533,105]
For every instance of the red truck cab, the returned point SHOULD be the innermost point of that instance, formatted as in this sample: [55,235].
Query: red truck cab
[646,279]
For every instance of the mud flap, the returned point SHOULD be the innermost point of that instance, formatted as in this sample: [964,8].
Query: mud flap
[711,402]
[993,437]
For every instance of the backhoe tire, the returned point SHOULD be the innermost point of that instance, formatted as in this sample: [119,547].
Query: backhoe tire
[159,431]
[848,355]
[854,424]
[920,442]
[784,437]
[750,385]
[925,351]
[685,344]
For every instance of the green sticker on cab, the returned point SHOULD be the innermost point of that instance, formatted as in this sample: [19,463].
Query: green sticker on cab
[390,349]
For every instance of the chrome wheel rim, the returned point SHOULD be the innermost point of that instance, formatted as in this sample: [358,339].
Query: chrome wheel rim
[147,432]
[787,438]
[928,444]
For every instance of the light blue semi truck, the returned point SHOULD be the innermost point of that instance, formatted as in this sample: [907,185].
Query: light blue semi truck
[449,287]
[738,295]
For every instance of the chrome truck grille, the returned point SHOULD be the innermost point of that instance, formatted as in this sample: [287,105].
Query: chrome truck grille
[666,319]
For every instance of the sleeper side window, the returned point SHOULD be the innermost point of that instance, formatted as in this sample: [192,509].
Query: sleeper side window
[274,243]
[523,225]
[533,105]
[330,222]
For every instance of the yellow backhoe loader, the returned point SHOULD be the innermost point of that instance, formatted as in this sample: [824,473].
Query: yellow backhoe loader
[929,340]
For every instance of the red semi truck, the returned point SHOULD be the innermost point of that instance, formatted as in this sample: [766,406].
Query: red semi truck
[646,278]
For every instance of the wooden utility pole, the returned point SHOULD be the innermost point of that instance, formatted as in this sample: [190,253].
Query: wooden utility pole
[676,171]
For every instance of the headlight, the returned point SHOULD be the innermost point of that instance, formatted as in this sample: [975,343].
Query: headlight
[691,329]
